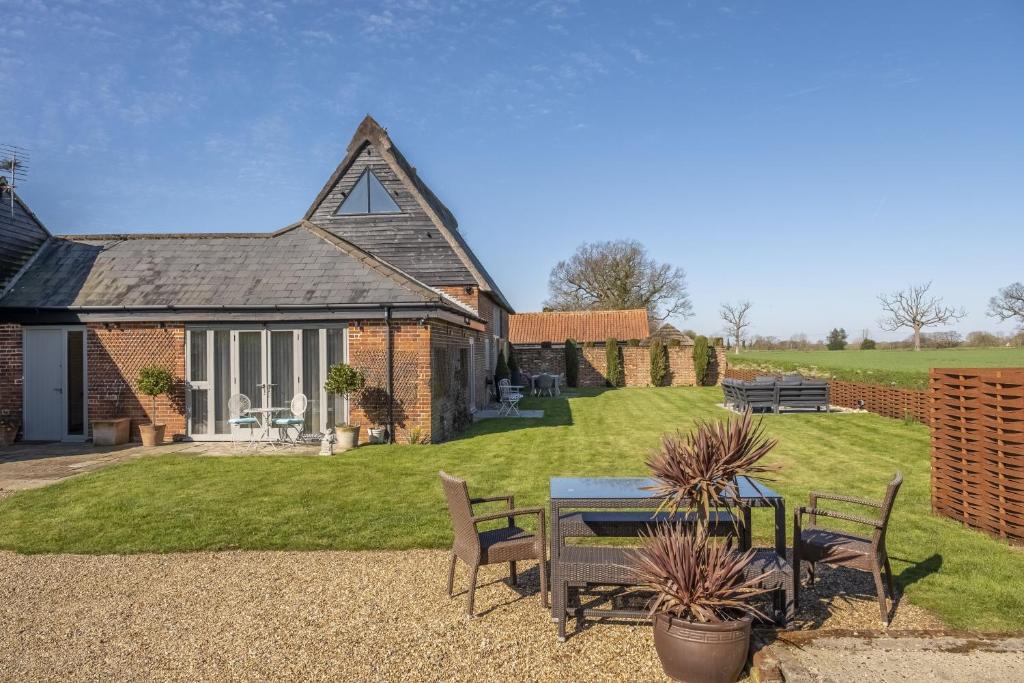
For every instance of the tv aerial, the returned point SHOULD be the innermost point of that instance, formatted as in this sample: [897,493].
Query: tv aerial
[13,170]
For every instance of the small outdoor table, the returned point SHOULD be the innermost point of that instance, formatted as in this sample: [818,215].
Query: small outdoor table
[573,501]
[265,415]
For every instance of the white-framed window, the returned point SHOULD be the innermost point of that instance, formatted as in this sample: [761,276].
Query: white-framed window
[270,364]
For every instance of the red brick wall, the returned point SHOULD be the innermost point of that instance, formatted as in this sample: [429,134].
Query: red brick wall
[115,357]
[11,371]
[411,377]
[450,367]
[636,364]
[537,360]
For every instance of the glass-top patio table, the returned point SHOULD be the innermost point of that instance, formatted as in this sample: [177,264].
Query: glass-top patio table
[574,500]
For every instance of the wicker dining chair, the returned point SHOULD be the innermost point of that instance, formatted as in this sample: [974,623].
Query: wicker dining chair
[508,544]
[813,543]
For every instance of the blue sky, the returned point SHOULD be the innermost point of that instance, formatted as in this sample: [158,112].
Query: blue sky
[806,156]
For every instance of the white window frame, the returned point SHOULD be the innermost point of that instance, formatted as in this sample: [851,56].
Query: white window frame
[264,329]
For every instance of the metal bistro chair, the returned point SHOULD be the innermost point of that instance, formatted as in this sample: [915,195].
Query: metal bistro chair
[545,385]
[494,546]
[238,417]
[509,398]
[295,421]
[817,544]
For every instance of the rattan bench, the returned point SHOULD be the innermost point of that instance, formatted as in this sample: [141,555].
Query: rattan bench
[583,566]
[631,524]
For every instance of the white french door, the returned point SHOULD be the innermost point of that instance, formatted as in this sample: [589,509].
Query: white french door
[269,364]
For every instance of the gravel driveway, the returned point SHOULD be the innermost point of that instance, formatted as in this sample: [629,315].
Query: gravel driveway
[310,616]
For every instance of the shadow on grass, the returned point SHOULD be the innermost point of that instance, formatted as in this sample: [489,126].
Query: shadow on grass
[917,570]
[557,413]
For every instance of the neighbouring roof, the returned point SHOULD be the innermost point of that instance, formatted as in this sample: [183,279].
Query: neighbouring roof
[580,326]
[424,240]
[21,236]
[301,265]
[668,332]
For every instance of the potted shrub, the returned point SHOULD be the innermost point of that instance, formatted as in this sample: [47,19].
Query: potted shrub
[700,609]
[9,426]
[342,380]
[153,381]
[701,614]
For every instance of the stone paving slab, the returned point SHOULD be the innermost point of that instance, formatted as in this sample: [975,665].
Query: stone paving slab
[920,655]
[34,465]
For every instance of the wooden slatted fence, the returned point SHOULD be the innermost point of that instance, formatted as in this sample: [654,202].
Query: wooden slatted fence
[978,448]
[894,402]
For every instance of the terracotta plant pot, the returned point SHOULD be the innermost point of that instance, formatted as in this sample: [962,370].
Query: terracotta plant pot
[702,653]
[348,437]
[152,435]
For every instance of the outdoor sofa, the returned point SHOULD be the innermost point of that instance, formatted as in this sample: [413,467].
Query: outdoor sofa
[776,393]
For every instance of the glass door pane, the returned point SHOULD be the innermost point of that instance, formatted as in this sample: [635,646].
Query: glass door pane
[282,367]
[75,382]
[311,381]
[221,390]
[335,354]
[198,384]
[250,366]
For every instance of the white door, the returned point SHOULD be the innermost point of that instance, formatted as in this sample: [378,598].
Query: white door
[44,385]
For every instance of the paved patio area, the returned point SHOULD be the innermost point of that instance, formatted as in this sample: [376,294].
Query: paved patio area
[866,657]
[30,466]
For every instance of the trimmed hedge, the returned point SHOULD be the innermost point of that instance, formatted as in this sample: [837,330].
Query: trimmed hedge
[701,359]
[613,369]
[659,363]
[572,364]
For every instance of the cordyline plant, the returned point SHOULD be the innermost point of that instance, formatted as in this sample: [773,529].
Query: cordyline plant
[698,470]
[693,579]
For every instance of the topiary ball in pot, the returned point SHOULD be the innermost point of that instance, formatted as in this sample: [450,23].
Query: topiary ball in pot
[154,381]
[342,380]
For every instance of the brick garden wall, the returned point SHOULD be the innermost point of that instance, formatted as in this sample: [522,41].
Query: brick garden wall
[116,356]
[411,376]
[886,401]
[11,371]
[636,365]
[450,377]
[977,436]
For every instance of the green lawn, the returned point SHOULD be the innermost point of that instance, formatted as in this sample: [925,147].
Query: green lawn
[906,368]
[389,496]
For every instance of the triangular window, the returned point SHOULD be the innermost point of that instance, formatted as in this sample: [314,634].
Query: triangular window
[367,196]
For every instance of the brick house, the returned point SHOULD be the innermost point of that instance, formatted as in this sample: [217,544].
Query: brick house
[539,342]
[375,274]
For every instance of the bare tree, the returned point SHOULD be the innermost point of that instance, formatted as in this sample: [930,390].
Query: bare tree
[618,275]
[735,317]
[913,308]
[1008,304]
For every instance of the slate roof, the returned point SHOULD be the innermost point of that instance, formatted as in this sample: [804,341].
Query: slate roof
[300,265]
[433,251]
[580,326]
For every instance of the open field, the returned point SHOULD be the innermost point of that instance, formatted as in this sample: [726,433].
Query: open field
[905,368]
[388,497]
